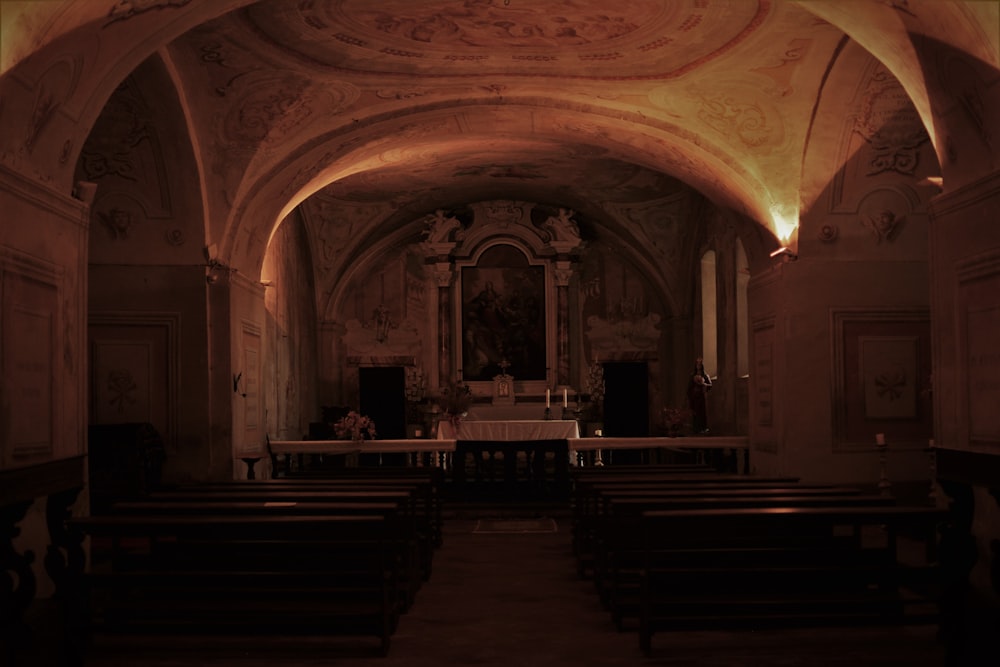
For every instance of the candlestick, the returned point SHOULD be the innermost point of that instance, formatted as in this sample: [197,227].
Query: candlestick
[884,485]
[565,398]
[933,496]
[548,402]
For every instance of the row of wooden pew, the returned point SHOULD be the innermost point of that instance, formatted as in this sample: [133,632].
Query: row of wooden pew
[342,555]
[677,547]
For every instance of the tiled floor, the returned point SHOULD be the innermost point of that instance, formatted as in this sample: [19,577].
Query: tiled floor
[515,599]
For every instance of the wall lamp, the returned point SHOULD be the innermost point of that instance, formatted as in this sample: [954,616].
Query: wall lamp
[786,253]
[215,267]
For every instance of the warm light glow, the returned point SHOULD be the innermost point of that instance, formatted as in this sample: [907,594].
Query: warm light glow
[785,222]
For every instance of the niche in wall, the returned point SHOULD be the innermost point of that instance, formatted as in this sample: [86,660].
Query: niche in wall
[382,396]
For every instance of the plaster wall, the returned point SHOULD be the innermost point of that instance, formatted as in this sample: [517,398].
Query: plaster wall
[43,282]
[965,289]
[797,308]
[965,292]
[290,371]
[151,322]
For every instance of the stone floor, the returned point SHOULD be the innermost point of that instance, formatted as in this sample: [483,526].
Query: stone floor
[515,599]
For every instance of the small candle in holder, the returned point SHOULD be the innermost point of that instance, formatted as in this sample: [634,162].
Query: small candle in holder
[565,398]
[548,402]
[880,439]
[598,433]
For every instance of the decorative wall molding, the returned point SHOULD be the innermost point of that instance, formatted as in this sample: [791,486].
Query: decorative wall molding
[762,375]
[247,391]
[43,197]
[122,11]
[169,322]
[32,329]
[891,125]
[879,362]
[985,190]
[977,308]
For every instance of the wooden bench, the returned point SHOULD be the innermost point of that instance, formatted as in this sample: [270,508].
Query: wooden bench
[248,576]
[605,538]
[427,493]
[618,558]
[585,504]
[428,481]
[416,544]
[759,567]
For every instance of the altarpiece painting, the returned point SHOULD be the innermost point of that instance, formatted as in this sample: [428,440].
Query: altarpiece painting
[503,317]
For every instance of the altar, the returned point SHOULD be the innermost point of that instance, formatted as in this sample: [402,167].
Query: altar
[511,458]
[509,430]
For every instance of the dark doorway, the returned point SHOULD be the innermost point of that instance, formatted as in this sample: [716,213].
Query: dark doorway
[382,396]
[626,399]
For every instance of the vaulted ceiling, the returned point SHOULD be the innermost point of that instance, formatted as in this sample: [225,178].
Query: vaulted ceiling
[407,106]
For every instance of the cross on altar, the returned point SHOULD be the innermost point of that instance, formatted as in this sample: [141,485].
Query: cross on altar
[503,386]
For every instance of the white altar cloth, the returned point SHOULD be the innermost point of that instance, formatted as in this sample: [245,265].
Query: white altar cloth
[510,430]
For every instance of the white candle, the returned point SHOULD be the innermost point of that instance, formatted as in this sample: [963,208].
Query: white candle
[880,439]
[598,433]
[547,399]
[565,398]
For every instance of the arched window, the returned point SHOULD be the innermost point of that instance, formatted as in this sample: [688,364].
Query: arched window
[742,312]
[709,318]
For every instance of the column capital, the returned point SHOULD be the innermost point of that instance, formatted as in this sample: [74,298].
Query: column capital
[444,273]
[562,271]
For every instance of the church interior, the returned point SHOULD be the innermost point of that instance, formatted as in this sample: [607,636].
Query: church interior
[231,226]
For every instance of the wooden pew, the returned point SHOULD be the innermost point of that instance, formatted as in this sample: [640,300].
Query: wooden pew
[605,546]
[760,567]
[619,548]
[416,546]
[604,542]
[410,569]
[426,489]
[584,484]
[228,575]
[429,481]
[585,504]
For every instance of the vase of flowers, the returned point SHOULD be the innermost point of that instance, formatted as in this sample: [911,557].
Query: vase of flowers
[455,400]
[674,420]
[594,389]
[355,427]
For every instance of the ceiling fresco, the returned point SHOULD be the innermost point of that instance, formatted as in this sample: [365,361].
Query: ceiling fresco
[562,38]
[419,104]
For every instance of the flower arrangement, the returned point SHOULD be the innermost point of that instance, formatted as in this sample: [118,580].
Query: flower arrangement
[354,426]
[674,419]
[595,386]
[456,398]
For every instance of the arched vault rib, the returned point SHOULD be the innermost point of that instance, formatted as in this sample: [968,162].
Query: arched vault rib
[912,40]
[404,142]
[336,287]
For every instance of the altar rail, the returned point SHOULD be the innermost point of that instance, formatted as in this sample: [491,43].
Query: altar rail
[707,449]
[583,451]
[438,451]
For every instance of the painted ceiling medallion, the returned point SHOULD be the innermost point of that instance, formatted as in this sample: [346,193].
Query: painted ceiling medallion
[567,38]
